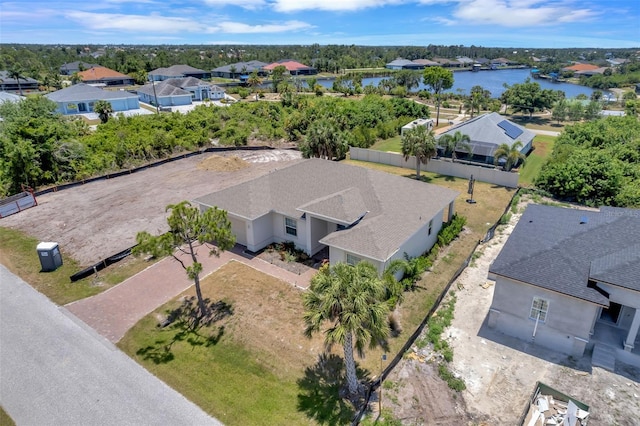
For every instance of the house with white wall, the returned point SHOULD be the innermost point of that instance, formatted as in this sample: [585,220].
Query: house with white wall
[81,98]
[358,213]
[569,280]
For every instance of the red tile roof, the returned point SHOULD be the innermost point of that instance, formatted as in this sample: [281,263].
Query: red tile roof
[581,67]
[289,65]
[99,73]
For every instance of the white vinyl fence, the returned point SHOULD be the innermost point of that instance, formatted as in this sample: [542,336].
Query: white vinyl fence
[443,167]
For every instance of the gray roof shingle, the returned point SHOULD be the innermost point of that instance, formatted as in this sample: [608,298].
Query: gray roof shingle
[562,249]
[486,135]
[84,92]
[177,71]
[395,207]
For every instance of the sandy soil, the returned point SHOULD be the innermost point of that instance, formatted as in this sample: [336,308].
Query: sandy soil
[99,219]
[501,372]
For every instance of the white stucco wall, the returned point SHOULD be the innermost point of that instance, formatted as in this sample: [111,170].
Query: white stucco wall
[239,229]
[337,255]
[566,328]
[280,236]
[260,232]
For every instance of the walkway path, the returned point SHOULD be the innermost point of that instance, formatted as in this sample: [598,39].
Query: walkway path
[54,370]
[116,310]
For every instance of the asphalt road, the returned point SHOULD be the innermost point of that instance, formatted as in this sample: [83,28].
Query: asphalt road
[55,370]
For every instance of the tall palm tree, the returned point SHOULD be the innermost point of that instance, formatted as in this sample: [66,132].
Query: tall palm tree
[421,143]
[351,299]
[452,143]
[511,154]
[17,74]
[254,81]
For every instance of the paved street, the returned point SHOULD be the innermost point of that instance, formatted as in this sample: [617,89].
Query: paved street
[55,370]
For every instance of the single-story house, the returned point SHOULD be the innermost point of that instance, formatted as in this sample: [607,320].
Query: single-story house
[80,98]
[105,76]
[465,61]
[404,64]
[569,280]
[179,91]
[240,70]
[426,63]
[10,97]
[591,72]
[426,122]
[487,132]
[581,67]
[10,84]
[77,66]
[177,71]
[444,62]
[358,213]
[293,67]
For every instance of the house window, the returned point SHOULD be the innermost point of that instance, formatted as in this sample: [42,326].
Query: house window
[539,309]
[290,226]
[430,227]
[352,260]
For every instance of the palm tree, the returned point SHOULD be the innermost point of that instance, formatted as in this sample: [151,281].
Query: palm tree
[421,143]
[351,299]
[103,109]
[452,143]
[511,154]
[254,81]
[17,74]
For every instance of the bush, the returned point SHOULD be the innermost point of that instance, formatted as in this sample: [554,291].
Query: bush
[453,382]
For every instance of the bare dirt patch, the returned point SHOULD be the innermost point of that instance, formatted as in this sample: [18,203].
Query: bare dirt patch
[96,220]
[218,163]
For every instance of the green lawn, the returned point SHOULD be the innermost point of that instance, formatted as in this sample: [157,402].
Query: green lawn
[18,253]
[5,419]
[393,144]
[543,146]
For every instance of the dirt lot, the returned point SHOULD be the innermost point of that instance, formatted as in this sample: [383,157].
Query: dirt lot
[500,372]
[99,219]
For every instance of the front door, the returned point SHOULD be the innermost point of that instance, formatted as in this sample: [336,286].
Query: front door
[612,314]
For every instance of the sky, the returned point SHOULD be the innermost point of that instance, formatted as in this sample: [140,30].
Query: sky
[488,23]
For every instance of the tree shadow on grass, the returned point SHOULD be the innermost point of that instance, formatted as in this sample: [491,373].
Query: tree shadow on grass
[188,326]
[323,394]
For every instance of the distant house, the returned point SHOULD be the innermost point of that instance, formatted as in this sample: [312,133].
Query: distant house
[240,70]
[293,67]
[105,77]
[80,98]
[10,97]
[500,62]
[355,212]
[426,63]
[9,84]
[581,67]
[487,132]
[444,62]
[589,73]
[465,61]
[74,67]
[426,122]
[179,91]
[569,280]
[404,64]
[177,71]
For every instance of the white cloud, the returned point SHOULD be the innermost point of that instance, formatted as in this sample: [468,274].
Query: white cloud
[519,13]
[331,5]
[241,28]
[134,23]
[247,4]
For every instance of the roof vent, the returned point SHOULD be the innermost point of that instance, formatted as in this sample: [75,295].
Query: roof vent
[583,220]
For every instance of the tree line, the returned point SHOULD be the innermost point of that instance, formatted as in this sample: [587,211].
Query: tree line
[40,147]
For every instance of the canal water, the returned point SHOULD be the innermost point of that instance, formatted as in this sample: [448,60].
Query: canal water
[493,81]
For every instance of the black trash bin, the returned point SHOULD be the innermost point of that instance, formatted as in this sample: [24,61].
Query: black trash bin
[50,257]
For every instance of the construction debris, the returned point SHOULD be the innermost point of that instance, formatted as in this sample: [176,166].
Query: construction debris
[551,407]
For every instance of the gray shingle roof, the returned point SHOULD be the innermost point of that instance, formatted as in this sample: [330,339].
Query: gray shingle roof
[561,249]
[163,89]
[395,207]
[250,66]
[486,135]
[177,70]
[84,92]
